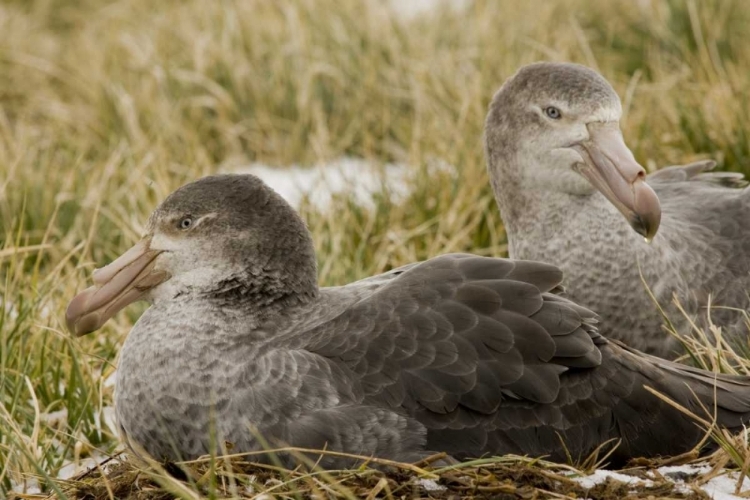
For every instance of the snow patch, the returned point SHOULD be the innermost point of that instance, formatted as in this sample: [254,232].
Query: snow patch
[409,9]
[718,488]
[54,418]
[111,379]
[689,469]
[600,476]
[722,487]
[357,177]
[28,486]
[108,412]
[73,468]
[430,485]
[70,468]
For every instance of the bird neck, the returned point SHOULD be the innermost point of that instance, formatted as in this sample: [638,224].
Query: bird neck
[545,225]
[281,275]
[536,212]
[264,293]
[229,313]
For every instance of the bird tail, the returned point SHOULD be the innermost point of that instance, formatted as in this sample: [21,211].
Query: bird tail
[709,398]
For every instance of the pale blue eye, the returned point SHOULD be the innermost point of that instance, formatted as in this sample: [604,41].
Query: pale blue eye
[186,223]
[553,112]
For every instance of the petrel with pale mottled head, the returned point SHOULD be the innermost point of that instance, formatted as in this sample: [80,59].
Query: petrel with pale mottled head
[571,194]
[460,354]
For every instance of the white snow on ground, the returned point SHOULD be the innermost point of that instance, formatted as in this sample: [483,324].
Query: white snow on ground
[29,487]
[54,418]
[600,476]
[108,412]
[70,468]
[684,469]
[718,488]
[722,487]
[430,485]
[409,9]
[110,380]
[354,176]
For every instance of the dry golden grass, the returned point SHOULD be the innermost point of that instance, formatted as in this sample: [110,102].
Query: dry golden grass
[106,107]
[508,477]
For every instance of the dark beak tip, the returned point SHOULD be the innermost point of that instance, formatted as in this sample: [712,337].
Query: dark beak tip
[70,319]
[78,321]
[645,227]
[645,217]
[71,326]
[84,325]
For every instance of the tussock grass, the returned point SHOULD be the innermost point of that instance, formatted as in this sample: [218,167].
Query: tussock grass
[503,477]
[106,107]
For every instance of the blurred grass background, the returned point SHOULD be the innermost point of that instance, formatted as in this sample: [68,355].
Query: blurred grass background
[106,107]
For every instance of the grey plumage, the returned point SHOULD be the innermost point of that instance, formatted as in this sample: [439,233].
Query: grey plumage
[463,354]
[702,248]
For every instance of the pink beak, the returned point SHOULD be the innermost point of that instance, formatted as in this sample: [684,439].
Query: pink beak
[611,168]
[116,285]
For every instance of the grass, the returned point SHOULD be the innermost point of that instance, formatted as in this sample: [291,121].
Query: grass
[500,477]
[106,107]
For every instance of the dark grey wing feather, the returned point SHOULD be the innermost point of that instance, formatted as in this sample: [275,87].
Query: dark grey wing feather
[484,318]
[542,276]
[455,336]
[479,354]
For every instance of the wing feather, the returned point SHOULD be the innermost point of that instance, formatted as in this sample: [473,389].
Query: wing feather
[488,358]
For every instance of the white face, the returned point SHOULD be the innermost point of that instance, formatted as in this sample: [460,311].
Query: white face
[178,259]
[179,255]
[208,238]
[552,159]
[573,146]
[186,255]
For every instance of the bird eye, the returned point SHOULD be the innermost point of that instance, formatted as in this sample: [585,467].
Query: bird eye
[185,223]
[553,112]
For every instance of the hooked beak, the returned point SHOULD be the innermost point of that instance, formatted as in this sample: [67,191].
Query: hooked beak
[611,168]
[116,285]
